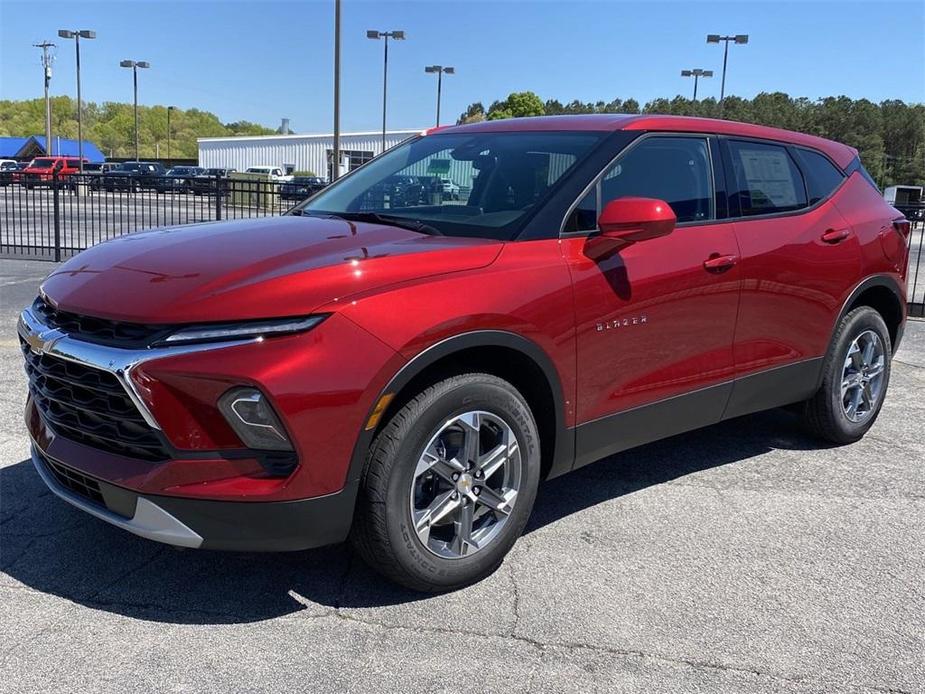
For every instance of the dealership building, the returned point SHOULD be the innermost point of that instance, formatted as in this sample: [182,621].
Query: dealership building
[296,152]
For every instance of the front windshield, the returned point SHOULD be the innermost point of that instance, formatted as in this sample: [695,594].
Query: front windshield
[42,163]
[462,184]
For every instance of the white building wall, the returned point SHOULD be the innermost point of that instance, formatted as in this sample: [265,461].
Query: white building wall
[304,152]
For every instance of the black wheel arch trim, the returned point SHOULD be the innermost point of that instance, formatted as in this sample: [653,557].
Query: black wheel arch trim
[886,281]
[564,453]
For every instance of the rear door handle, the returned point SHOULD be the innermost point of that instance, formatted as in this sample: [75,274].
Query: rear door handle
[719,263]
[836,235]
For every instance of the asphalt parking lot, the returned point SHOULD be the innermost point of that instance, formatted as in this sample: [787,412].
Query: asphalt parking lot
[740,558]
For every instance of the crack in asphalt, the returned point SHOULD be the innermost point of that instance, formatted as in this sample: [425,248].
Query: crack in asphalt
[339,614]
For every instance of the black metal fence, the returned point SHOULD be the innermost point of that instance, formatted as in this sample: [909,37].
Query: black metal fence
[54,218]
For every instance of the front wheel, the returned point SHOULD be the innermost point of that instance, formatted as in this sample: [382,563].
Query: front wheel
[856,373]
[449,484]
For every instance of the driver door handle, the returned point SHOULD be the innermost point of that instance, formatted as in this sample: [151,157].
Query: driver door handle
[720,263]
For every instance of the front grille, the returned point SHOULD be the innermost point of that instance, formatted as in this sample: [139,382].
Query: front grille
[77,482]
[98,330]
[90,406]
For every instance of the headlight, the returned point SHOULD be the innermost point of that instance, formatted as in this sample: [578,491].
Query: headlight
[237,331]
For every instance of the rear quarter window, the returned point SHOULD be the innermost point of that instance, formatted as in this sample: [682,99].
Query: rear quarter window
[767,179]
[822,176]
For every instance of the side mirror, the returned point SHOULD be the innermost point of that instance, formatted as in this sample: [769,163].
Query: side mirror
[636,219]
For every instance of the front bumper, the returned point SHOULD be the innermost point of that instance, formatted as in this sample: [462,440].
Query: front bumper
[223,525]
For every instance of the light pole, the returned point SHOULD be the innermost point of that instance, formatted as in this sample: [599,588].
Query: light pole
[169,109]
[335,170]
[716,38]
[440,70]
[696,73]
[398,36]
[135,65]
[47,60]
[78,34]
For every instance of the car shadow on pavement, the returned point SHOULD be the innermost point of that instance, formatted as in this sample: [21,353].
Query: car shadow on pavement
[50,547]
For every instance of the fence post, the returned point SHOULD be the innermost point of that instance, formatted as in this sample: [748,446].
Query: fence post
[218,198]
[57,214]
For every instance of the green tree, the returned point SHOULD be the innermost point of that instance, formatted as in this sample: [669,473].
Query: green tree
[517,105]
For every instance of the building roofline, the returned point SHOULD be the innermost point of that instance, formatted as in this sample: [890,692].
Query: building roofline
[298,136]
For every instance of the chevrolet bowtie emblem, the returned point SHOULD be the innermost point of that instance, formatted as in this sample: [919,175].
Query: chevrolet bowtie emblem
[43,341]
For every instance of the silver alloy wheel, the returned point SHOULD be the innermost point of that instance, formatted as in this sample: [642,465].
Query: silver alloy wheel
[862,376]
[465,484]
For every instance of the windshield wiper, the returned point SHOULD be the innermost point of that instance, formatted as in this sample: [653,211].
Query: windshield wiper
[388,220]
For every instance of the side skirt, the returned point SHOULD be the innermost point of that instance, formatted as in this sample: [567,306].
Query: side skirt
[641,425]
[647,423]
[777,387]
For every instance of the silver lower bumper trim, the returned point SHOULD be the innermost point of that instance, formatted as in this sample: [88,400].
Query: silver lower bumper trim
[150,520]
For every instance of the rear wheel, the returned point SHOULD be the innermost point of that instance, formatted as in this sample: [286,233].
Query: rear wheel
[449,484]
[856,373]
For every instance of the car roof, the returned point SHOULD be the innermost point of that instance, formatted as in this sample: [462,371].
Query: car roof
[841,154]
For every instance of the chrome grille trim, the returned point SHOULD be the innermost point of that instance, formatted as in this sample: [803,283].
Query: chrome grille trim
[42,339]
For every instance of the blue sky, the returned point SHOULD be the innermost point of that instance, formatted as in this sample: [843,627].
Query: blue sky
[260,61]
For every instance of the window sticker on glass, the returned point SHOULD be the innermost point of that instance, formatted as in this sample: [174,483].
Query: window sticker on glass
[767,172]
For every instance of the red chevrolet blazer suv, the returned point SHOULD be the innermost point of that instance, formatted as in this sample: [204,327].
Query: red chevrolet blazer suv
[400,367]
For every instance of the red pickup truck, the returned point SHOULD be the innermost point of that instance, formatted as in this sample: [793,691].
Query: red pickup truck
[39,172]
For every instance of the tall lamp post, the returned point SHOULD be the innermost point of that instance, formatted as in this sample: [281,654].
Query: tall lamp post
[335,169]
[741,39]
[78,34]
[169,109]
[134,65]
[440,70]
[696,73]
[398,36]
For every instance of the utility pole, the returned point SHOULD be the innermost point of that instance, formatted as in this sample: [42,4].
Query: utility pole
[47,59]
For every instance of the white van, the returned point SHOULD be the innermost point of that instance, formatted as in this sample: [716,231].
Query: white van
[275,173]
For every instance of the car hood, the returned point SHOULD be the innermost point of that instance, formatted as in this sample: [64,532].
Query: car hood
[260,268]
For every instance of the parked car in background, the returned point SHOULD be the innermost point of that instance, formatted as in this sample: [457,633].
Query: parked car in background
[274,173]
[450,189]
[177,179]
[211,181]
[406,375]
[94,172]
[132,176]
[7,167]
[301,187]
[40,171]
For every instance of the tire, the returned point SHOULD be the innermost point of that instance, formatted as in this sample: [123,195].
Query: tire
[826,414]
[392,487]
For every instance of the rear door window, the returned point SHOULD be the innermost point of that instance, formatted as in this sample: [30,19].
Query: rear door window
[766,179]
[822,176]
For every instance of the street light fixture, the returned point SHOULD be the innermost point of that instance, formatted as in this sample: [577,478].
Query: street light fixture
[440,70]
[169,109]
[740,39]
[696,73]
[398,36]
[134,65]
[78,34]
